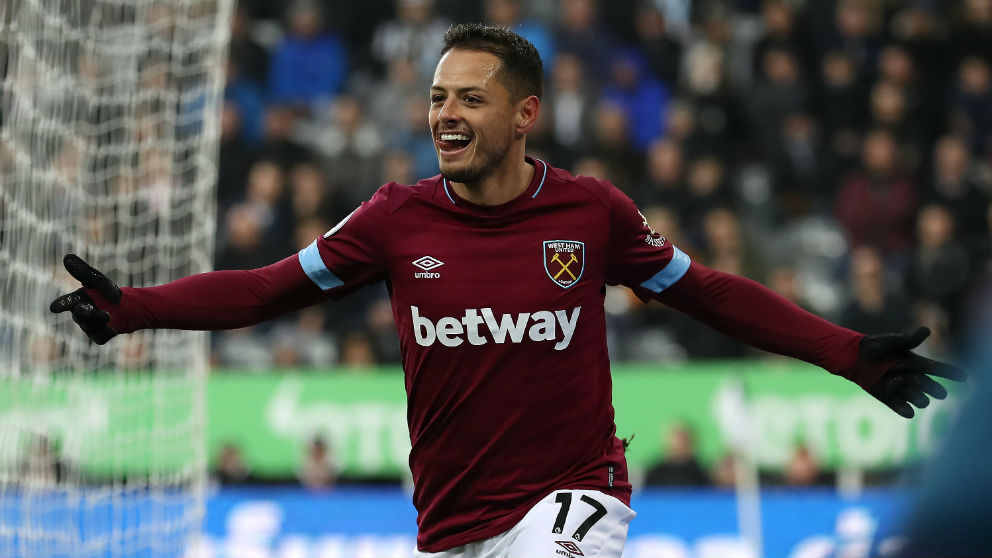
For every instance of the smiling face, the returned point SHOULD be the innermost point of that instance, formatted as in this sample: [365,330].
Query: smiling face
[473,120]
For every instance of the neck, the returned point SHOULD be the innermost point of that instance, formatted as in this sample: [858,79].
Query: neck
[505,183]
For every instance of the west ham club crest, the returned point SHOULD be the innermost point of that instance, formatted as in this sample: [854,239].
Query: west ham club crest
[564,261]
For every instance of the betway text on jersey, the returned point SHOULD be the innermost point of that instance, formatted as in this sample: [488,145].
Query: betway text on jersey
[539,326]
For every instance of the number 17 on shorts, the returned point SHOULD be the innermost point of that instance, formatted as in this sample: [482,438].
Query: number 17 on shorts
[572,524]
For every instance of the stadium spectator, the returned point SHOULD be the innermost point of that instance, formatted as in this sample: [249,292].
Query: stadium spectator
[841,105]
[245,53]
[244,350]
[244,244]
[318,470]
[971,102]
[680,466]
[570,99]
[348,144]
[956,184]
[706,189]
[642,97]
[857,31]
[312,198]
[230,467]
[972,30]
[580,31]
[382,331]
[42,465]
[267,198]
[888,111]
[728,246]
[801,168]
[714,121]
[778,92]
[277,142]
[923,102]
[401,84]
[787,281]
[664,182]
[876,203]
[311,64]
[781,30]
[397,166]
[508,13]
[411,135]
[413,34]
[358,351]
[874,307]
[611,145]
[938,268]
[233,160]
[803,470]
[724,471]
[304,341]
[662,51]
[248,99]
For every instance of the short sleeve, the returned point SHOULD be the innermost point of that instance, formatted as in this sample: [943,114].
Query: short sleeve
[350,255]
[641,258]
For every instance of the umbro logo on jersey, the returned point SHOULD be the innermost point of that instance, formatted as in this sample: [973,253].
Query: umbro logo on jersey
[564,261]
[427,263]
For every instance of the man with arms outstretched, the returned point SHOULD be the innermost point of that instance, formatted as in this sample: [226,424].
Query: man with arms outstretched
[497,271]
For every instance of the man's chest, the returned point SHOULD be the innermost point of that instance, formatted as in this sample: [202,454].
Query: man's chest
[529,265]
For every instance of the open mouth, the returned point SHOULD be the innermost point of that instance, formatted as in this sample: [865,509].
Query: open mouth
[452,143]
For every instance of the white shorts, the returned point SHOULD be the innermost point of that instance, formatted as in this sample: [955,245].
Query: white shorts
[564,524]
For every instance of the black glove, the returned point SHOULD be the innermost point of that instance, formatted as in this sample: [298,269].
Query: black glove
[909,380]
[92,320]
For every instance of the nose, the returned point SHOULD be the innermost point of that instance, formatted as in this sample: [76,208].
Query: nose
[448,113]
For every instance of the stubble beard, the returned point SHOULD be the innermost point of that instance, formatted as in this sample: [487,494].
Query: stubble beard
[487,160]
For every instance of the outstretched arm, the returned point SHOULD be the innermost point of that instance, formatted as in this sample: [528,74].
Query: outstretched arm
[207,301]
[882,365]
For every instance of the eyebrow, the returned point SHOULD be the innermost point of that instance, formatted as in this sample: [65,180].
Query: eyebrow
[460,90]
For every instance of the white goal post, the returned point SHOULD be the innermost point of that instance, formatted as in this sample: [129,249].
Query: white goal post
[109,123]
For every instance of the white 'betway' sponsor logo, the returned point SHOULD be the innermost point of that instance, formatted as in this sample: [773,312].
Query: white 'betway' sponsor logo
[452,332]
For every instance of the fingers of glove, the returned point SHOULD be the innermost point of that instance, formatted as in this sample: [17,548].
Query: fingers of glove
[915,395]
[101,336]
[98,331]
[86,313]
[91,278]
[930,386]
[67,301]
[876,347]
[901,407]
[918,364]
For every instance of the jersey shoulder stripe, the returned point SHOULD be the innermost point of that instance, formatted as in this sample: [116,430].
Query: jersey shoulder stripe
[670,274]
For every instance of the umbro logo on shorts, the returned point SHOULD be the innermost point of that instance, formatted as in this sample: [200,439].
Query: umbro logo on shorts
[571,549]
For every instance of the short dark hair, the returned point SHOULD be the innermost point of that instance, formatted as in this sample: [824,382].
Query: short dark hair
[521,73]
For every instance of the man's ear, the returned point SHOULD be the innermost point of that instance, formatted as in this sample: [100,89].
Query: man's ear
[528,110]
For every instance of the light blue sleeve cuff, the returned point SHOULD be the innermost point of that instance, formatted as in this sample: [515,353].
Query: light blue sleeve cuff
[313,266]
[671,273]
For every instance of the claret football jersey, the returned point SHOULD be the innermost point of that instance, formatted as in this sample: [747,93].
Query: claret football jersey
[501,324]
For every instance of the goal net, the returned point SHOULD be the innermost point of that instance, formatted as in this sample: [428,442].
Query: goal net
[109,118]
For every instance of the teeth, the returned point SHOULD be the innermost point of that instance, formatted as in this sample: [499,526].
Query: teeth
[454,137]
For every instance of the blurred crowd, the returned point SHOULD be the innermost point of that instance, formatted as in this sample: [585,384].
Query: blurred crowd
[678,465]
[838,151]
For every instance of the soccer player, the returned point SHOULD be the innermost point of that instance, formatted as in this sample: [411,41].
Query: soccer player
[497,271]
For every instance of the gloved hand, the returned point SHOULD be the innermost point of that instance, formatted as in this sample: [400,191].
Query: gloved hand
[908,381]
[93,320]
